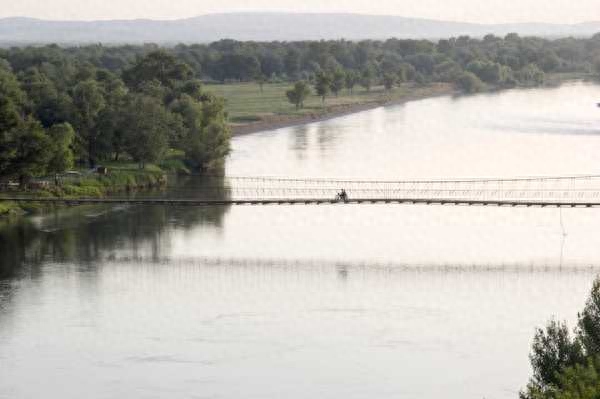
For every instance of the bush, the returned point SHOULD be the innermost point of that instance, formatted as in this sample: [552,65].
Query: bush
[470,83]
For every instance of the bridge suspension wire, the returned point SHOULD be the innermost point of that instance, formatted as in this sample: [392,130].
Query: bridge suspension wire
[575,190]
[539,189]
[321,180]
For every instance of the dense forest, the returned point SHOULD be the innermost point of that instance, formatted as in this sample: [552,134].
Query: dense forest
[492,59]
[56,110]
[93,103]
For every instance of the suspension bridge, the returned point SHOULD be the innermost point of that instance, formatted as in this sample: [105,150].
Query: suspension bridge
[536,191]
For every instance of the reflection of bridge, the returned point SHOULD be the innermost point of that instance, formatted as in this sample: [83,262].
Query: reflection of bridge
[340,265]
[557,191]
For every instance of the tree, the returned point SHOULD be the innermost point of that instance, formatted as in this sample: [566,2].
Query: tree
[32,151]
[580,382]
[12,100]
[367,77]
[261,80]
[389,80]
[531,74]
[160,66]
[62,137]
[565,367]
[206,139]
[322,85]
[448,71]
[589,322]
[338,81]
[193,88]
[298,94]
[291,62]
[550,61]
[352,79]
[552,351]
[149,124]
[470,83]
[208,146]
[88,99]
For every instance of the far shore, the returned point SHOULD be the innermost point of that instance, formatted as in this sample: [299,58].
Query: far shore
[412,93]
[273,122]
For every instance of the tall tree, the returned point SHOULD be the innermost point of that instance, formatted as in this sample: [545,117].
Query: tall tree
[322,85]
[88,99]
[352,79]
[206,139]
[261,80]
[368,77]
[32,151]
[12,102]
[338,81]
[149,124]
[389,80]
[62,137]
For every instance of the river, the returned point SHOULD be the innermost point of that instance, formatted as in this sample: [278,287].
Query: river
[386,301]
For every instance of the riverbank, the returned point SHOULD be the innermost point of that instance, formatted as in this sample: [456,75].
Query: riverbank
[252,110]
[95,186]
[399,96]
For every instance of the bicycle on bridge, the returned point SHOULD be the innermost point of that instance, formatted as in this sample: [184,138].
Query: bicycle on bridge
[342,196]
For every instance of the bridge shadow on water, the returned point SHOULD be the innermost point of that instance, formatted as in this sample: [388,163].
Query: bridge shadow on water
[349,266]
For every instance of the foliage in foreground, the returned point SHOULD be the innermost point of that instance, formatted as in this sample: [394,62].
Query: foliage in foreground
[567,366]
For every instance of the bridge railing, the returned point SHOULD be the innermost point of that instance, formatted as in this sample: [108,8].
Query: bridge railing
[550,189]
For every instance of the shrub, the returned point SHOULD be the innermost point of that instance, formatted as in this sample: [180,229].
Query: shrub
[470,83]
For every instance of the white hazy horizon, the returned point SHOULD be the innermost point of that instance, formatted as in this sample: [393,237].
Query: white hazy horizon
[488,12]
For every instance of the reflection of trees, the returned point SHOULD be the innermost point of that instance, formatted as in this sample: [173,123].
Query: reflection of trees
[200,187]
[16,240]
[86,235]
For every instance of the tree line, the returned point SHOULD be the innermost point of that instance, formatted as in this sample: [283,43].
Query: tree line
[567,365]
[492,59]
[56,111]
[93,103]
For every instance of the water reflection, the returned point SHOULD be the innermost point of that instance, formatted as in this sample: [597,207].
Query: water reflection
[88,234]
[299,142]
[345,302]
[262,328]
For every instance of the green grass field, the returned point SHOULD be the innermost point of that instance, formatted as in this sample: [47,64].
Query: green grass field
[246,103]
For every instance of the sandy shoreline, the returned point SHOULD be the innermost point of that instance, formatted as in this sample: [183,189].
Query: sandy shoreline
[281,121]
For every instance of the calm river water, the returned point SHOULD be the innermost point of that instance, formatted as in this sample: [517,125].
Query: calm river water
[376,301]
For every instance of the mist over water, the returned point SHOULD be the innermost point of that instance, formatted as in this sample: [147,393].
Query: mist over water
[327,301]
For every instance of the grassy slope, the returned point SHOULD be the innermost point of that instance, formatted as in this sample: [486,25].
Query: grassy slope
[246,104]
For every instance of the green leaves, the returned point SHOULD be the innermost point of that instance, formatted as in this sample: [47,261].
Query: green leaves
[157,66]
[322,84]
[566,367]
[62,137]
[32,150]
[470,83]
[298,94]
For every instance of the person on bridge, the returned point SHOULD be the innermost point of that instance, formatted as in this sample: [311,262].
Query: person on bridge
[343,195]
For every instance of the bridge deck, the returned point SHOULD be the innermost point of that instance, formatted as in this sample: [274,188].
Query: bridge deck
[307,201]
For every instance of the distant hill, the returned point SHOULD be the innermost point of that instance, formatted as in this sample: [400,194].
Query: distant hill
[264,27]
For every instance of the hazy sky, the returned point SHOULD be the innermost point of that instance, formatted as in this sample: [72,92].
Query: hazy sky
[488,11]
